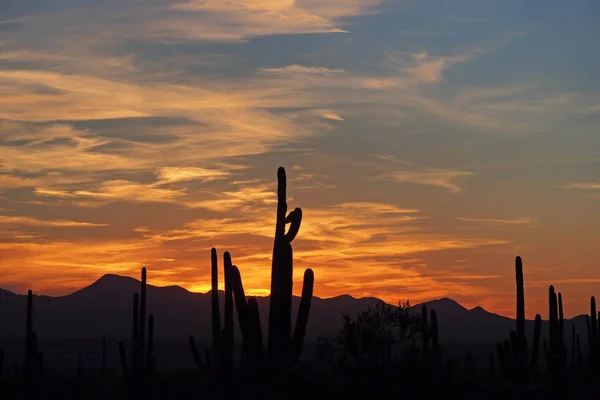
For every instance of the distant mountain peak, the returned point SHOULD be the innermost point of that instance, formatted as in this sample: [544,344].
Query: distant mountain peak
[443,304]
[109,283]
[111,278]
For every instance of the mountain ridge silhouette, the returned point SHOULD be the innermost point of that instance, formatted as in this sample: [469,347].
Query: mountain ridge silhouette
[104,307]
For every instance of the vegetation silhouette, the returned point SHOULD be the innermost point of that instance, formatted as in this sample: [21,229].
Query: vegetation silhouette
[382,352]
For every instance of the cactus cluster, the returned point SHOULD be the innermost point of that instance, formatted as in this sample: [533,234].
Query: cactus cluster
[284,348]
[221,363]
[142,351]
[556,356]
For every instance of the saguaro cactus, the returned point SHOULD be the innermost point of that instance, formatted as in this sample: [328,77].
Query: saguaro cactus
[142,359]
[284,348]
[33,358]
[593,338]
[431,351]
[222,340]
[514,353]
[557,356]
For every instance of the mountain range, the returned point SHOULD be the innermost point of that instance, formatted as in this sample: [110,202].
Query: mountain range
[105,307]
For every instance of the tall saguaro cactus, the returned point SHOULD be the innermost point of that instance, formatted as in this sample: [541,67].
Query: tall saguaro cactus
[284,347]
[521,350]
[514,353]
[280,308]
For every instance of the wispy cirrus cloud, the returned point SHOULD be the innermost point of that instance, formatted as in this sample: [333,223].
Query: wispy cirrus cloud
[400,171]
[430,177]
[503,221]
[583,186]
[56,223]
[182,174]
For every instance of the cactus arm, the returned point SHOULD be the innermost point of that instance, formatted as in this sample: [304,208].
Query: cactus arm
[295,220]
[302,318]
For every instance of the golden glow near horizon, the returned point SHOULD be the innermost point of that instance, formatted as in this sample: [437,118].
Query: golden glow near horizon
[427,150]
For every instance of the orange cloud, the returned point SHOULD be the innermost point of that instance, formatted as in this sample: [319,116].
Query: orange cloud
[9,220]
[514,221]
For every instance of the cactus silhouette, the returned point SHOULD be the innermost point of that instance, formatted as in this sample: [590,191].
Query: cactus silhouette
[32,369]
[556,357]
[593,334]
[222,339]
[514,353]
[284,348]
[431,352]
[142,353]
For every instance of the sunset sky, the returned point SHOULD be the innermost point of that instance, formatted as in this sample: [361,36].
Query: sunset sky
[428,142]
